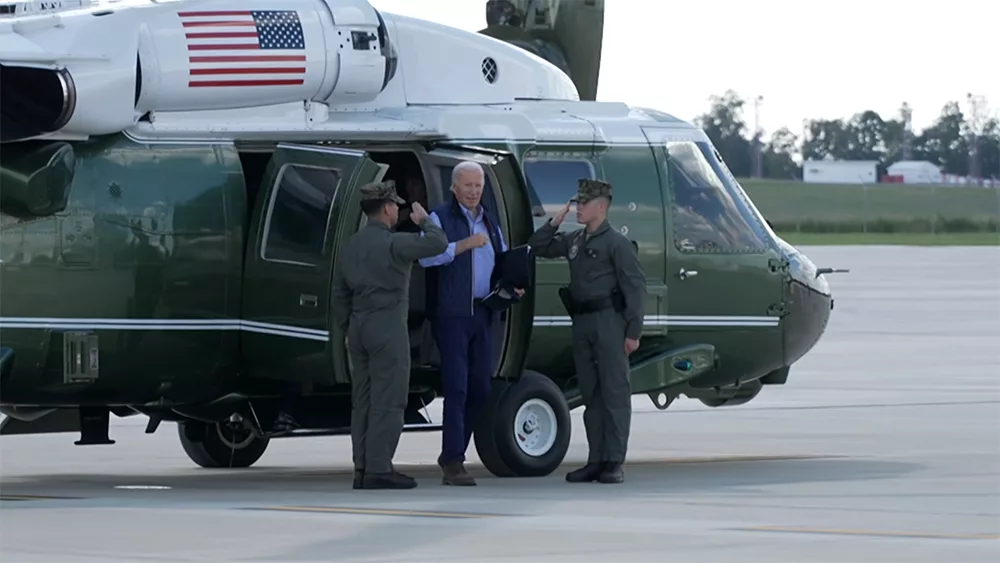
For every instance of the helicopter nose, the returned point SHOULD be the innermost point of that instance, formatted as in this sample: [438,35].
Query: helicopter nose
[808,302]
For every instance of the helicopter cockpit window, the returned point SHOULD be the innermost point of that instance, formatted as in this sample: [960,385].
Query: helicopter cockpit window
[555,181]
[708,214]
[297,222]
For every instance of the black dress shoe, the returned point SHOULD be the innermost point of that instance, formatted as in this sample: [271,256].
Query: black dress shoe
[359,477]
[586,474]
[393,480]
[612,473]
[284,423]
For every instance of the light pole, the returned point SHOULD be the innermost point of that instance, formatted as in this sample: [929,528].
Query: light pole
[758,157]
[977,105]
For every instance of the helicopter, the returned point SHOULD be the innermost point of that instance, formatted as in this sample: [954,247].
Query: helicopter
[178,178]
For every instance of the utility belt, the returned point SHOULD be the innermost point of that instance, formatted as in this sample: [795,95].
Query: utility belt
[615,301]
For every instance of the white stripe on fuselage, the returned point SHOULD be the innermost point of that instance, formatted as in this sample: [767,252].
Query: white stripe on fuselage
[163,324]
[314,334]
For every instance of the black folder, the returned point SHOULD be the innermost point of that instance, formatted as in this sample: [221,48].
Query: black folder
[512,270]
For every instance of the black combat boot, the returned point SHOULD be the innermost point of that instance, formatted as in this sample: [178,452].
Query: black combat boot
[586,474]
[393,480]
[359,477]
[612,473]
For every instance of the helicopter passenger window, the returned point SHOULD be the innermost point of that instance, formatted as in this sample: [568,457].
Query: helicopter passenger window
[555,181]
[297,221]
[708,215]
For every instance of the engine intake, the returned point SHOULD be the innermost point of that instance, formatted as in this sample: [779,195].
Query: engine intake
[34,101]
[185,56]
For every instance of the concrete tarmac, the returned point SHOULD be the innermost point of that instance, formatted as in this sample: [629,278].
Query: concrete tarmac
[884,445]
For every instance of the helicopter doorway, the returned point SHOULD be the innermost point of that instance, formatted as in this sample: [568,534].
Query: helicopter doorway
[295,289]
[426,178]
[506,190]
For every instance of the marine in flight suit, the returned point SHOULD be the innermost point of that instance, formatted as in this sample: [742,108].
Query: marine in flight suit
[605,299]
[370,303]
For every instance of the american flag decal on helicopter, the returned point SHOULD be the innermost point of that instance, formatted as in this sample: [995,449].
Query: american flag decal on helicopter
[237,48]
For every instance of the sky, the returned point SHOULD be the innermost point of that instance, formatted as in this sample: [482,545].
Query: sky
[807,59]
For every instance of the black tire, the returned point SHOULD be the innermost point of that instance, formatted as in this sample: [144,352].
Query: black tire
[204,444]
[550,410]
[485,433]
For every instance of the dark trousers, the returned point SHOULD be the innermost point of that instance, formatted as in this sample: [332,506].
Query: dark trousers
[378,345]
[603,372]
[466,348]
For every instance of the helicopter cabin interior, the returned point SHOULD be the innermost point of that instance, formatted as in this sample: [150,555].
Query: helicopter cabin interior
[419,176]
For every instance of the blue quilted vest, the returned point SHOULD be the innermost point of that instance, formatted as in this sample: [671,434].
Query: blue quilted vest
[449,288]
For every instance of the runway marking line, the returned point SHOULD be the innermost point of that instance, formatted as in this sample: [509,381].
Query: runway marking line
[430,466]
[4,497]
[379,512]
[873,533]
[728,458]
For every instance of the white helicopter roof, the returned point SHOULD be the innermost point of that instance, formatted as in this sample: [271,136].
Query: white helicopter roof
[249,68]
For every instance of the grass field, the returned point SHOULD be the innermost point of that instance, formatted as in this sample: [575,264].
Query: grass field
[879,213]
[789,201]
[911,239]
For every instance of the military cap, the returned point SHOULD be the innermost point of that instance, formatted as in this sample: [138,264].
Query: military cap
[591,189]
[381,191]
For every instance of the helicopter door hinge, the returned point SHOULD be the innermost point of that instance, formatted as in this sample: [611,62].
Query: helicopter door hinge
[81,357]
[777,265]
[777,310]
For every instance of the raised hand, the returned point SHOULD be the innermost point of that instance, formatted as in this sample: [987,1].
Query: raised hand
[562,214]
[417,213]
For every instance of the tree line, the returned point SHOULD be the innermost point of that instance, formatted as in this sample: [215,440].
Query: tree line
[959,143]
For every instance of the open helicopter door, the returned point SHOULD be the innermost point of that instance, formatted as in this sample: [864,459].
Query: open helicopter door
[512,200]
[307,195]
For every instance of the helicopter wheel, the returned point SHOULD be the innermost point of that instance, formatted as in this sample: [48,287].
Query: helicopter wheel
[524,430]
[223,444]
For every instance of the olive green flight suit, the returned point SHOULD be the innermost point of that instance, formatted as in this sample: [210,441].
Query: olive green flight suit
[371,303]
[599,262]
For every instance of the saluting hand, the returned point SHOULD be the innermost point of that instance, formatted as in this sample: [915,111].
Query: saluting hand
[562,214]
[417,213]
[631,345]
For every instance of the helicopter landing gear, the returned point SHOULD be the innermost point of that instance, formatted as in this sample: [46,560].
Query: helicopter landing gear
[524,430]
[743,395]
[230,443]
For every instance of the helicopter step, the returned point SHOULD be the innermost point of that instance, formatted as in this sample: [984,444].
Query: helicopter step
[312,433]
[94,422]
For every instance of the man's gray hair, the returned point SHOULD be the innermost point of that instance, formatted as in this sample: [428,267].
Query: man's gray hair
[466,165]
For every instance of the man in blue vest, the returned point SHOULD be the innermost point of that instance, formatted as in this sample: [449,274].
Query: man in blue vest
[457,281]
